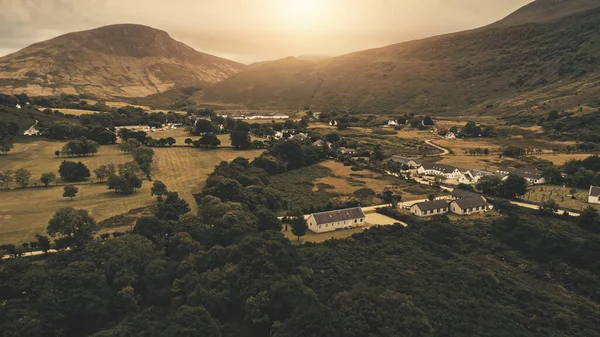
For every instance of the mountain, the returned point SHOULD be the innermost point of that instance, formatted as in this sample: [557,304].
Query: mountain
[491,70]
[120,60]
[547,10]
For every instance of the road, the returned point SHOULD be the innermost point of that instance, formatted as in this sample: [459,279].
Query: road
[537,208]
[444,150]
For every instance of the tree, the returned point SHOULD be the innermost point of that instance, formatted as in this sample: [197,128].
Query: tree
[209,140]
[43,243]
[47,178]
[171,141]
[80,147]
[159,189]
[333,137]
[105,171]
[129,145]
[267,220]
[549,207]
[57,153]
[72,228]
[431,197]
[22,177]
[240,139]
[6,177]
[125,183]
[428,121]
[552,174]
[70,191]
[489,185]
[6,144]
[588,218]
[189,321]
[189,141]
[71,171]
[512,187]
[144,157]
[172,207]
[299,226]
[203,126]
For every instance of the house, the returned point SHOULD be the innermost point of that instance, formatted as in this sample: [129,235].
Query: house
[458,194]
[450,135]
[434,169]
[319,143]
[429,208]
[32,131]
[472,205]
[594,196]
[532,176]
[343,150]
[316,115]
[410,162]
[472,177]
[333,123]
[18,106]
[335,220]
[278,135]
[392,123]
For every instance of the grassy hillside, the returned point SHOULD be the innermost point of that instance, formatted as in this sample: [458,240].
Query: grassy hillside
[118,60]
[491,70]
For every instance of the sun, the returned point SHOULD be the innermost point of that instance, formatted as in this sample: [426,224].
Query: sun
[303,14]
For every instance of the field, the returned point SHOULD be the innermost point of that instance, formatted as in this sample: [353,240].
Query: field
[25,212]
[180,136]
[561,195]
[560,159]
[316,185]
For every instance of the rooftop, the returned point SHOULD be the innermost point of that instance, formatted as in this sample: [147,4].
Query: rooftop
[462,194]
[429,205]
[595,191]
[339,215]
[439,167]
[471,202]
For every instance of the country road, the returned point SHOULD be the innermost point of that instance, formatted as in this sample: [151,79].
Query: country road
[444,150]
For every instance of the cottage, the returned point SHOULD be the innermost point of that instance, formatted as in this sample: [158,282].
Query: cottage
[335,220]
[18,106]
[316,115]
[333,123]
[472,177]
[450,135]
[532,176]
[470,205]
[429,208]
[434,169]
[392,123]
[458,194]
[32,131]
[594,196]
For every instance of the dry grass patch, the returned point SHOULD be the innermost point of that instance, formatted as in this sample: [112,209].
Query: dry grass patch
[560,159]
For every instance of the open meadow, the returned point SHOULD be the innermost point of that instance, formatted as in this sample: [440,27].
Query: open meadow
[25,212]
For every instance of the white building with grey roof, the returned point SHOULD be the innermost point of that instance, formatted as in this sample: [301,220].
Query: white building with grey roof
[594,196]
[334,220]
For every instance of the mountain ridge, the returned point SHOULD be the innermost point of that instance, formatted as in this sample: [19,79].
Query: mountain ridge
[127,60]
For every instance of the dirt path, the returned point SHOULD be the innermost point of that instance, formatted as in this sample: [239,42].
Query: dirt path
[444,150]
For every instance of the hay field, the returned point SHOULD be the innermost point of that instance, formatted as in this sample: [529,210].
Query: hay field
[180,136]
[25,212]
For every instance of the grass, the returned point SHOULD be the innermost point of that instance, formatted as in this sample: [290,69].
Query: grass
[25,212]
[561,195]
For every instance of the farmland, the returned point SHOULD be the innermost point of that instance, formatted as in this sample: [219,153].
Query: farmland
[25,212]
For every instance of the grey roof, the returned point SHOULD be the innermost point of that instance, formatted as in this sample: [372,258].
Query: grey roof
[439,167]
[527,173]
[480,173]
[429,205]
[462,194]
[339,215]
[595,191]
[471,202]
[404,160]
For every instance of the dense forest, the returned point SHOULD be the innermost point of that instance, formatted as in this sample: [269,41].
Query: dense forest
[230,272]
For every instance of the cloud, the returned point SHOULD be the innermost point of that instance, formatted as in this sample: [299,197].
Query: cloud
[254,30]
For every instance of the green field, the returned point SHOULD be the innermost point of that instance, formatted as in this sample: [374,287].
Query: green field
[25,212]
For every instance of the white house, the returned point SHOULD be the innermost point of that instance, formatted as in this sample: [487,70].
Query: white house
[434,169]
[316,115]
[531,175]
[429,208]
[468,206]
[335,220]
[450,135]
[594,196]
[32,131]
[472,177]
[18,106]
[333,123]
[392,123]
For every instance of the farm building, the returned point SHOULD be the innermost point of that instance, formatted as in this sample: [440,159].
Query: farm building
[392,123]
[462,194]
[429,208]
[450,135]
[594,196]
[472,177]
[334,220]
[470,205]
[434,169]
[412,163]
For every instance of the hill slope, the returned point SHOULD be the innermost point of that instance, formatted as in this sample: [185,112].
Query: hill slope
[488,70]
[119,60]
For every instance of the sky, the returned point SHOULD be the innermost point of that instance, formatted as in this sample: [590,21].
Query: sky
[255,30]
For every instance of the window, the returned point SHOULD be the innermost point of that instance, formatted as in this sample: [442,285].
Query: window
[355,221]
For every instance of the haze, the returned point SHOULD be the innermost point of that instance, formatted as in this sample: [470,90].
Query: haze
[255,30]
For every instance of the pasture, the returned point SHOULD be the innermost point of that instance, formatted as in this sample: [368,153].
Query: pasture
[25,212]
